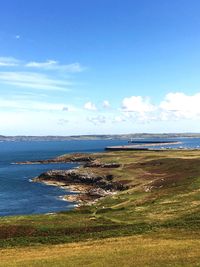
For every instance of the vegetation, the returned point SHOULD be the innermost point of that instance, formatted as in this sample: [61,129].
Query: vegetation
[156,222]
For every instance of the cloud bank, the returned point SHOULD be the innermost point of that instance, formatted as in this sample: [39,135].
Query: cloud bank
[180,106]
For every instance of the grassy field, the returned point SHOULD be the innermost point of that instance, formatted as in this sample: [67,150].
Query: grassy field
[125,251]
[156,222]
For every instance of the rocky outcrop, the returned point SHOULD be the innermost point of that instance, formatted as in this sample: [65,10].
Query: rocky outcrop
[70,177]
[81,158]
[85,159]
[97,164]
[74,158]
[89,181]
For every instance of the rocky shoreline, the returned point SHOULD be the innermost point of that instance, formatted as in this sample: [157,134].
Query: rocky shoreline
[70,158]
[88,183]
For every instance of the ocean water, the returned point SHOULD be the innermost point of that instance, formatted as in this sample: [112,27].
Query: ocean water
[18,195]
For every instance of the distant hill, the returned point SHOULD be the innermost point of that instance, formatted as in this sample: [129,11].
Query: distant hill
[98,137]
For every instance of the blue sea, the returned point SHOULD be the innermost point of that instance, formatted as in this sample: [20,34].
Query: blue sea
[18,195]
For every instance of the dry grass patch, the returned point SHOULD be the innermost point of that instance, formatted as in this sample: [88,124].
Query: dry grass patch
[128,251]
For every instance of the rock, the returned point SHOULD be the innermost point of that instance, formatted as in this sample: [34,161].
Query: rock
[81,177]
[98,192]
[97,164]
[79,158]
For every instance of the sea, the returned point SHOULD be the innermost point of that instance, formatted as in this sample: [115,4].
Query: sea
[20,196]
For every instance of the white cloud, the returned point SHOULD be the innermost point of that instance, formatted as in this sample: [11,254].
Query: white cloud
[33,80]
[9,62]
[106,104]
[175,106]
[137,104]
[119,119]
[24,75]
[179,105]
[90,106]
[41,65]
[55,65]
[97,120]
[27,113]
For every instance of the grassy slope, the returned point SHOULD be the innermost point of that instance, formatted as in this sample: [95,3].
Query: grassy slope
[131,251]
[160,215]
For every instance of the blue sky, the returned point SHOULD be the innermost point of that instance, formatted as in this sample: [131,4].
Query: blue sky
[93,67]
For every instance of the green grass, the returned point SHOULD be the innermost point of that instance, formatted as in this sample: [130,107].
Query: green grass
[163,204]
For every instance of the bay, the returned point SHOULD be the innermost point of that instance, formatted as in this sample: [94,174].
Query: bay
[20,196]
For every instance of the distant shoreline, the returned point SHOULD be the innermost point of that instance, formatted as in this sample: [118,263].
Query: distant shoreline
[100,137]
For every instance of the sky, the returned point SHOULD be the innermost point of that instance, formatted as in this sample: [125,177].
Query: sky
[72,67]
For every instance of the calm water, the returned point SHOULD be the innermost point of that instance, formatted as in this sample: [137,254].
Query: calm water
[19,196]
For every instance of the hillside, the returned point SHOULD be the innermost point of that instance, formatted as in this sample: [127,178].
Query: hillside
[157,215]
[98,137]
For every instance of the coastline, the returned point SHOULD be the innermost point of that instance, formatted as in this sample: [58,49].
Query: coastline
[87,183]
[78,194]
[162,198]
[92,169]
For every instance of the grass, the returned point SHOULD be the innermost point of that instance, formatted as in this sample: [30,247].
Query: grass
[127,251]
[154,223]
